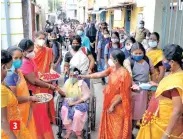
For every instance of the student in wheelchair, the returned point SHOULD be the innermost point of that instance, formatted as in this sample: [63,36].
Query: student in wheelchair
[74,108]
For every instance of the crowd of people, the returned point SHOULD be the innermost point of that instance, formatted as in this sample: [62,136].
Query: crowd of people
[123,65]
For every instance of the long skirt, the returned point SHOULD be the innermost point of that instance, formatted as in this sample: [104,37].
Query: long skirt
[139,104]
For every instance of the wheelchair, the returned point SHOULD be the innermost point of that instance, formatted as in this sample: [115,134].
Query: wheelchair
[90,123]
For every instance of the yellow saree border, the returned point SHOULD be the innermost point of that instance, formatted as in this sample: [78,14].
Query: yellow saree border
[155,55]
[170,82]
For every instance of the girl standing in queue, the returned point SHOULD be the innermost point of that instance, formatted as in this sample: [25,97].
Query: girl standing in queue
[111,46]
[156,56]
[140,68]
[128,45]
[100,53]
[116,114]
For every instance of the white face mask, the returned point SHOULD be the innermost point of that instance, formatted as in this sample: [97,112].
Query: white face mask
[141,26]
[114,46]
[147,38]
[30,55]
[128,47]
[40,42]
[115,40]
[153,44]
[111,63]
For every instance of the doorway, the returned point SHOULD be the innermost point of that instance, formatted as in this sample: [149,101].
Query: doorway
[127,20]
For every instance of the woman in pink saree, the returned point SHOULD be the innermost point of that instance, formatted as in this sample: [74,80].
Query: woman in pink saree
[30,72]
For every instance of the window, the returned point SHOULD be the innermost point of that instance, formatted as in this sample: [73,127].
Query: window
[75,13]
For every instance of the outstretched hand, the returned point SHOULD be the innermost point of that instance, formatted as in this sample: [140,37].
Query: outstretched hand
[135,87]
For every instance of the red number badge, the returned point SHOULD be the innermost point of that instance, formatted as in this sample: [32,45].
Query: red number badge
[15,125]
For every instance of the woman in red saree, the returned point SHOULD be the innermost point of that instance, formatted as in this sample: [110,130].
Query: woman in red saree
[43,59]
[116,121]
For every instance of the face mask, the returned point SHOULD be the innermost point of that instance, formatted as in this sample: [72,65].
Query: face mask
[122,40]
[10,71]
[115,40]
[80,33]
[137,57]
[111,63]
[146,47]
[166,65]
[114,46]
[128,47]
[153,44]
[141,26]
[147,38]
[73,80]
[75,48]
[30,55]
[40,42]
[17,63]
[106,36]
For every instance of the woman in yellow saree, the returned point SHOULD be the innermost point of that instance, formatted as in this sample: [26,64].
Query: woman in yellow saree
[18,85]
[164,117]
[156,56]
[9,104]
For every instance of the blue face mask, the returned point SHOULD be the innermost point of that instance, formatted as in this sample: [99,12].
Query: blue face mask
[137,57]
[10,71]
[80,33]
[17,63]
[166,65]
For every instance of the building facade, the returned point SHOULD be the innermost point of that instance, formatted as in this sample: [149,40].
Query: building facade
[162,16]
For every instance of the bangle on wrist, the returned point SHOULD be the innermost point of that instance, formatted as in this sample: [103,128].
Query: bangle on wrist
[28,98]
[167,134]
[49,86]
[53,89]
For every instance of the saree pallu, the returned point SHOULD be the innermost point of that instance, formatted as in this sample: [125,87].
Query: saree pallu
[43,60]
[155,56]
[43,126]
[26,108]
[13,113]
[118,124]
[158,124]
[157,116]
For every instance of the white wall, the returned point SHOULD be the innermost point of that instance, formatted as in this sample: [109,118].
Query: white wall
[44,11]
[154,12]
[71,6]
[16,23]
[149,14]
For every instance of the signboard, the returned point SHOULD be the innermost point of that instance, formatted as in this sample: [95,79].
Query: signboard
[117,15]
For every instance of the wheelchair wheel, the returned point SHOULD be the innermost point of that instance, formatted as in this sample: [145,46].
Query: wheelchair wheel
[93,113]
[58,118]
[58,107]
